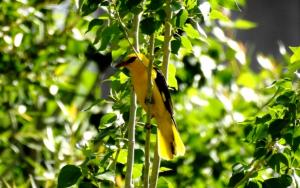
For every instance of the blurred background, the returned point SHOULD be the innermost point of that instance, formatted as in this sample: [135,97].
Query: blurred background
[62,103]
[278,23]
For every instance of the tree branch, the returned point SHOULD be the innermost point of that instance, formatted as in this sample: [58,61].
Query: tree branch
[166,59]
[133,107]
[149,101]
[167,39]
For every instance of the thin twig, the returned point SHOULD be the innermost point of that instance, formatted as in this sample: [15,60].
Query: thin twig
[167,39]
[135,46]
[155,168]
[148,103]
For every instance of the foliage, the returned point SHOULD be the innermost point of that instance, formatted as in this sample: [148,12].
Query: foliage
[240,127]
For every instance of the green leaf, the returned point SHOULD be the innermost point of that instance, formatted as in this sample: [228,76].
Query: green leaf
[186,43]
[132,3]
[191,32]
[164,183]
[271,183]
[247,79]
[68,176]
[190,4]
[98,101]
[296,54]
[155,4]
[244,24]
[235,178]
[253,184]
[122,157]
[164,169]
[283,84]
[175,45]
[281,182]
[176,6]
[263,119]
[107,119]
[214,14]
[94,23]
[286,180]
[296,143]
[107,35]
[277,160]
[149,25]
[123,78]
[137,170]
[89,6]
[86,185]
[181,18]
[285,98]
[276,126]
[172,82]
[259,152]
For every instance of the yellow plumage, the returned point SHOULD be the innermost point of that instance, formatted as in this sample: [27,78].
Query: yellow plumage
[169,141]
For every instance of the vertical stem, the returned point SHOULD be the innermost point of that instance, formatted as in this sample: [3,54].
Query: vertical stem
[166,59]
[133,107]
[167,39]
[155,168]
[131,140]
[148,123]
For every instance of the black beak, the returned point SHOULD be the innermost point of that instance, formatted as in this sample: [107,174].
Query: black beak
[121,64]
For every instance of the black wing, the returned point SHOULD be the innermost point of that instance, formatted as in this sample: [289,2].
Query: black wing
[164,90]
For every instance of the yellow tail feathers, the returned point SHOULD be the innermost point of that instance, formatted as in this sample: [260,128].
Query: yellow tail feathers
[169,141]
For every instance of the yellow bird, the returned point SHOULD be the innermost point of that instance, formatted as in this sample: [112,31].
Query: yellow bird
[169,141]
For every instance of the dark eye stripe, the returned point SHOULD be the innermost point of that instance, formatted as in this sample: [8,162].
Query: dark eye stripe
[130,60]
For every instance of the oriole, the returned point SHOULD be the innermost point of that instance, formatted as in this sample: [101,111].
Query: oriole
[169,141]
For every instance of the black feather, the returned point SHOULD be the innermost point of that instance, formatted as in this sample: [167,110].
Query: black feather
[164,91]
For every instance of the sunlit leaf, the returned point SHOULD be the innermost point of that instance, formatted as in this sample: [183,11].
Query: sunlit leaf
[137,170]
[215,14]
[186,43]
[244,24]
[172,82]
[181,18]
[296,54]
[191,31]
[247,79]
[164,183]
[122,157]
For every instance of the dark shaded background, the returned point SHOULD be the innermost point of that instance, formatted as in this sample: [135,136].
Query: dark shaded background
[278,20]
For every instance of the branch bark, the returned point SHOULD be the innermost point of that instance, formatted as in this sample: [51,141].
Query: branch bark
[167,39]
[149,101]
[133,107]
[166,59]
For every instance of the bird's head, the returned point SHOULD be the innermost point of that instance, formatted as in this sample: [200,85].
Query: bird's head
[134,60]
